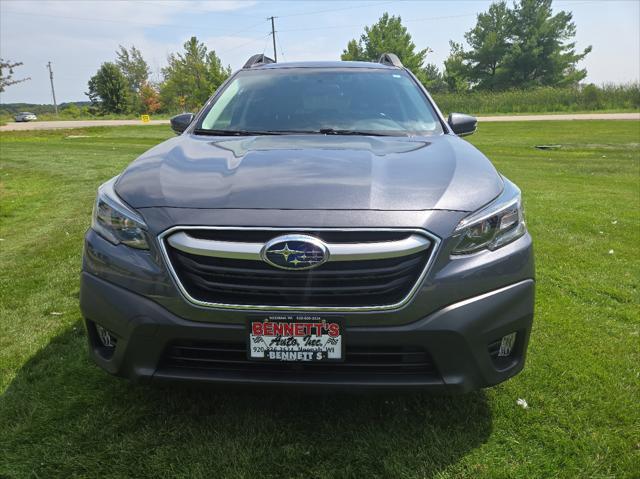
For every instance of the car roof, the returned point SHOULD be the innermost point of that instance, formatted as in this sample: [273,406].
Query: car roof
[326,64]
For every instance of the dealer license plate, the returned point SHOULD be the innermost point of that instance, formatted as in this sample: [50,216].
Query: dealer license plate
[295,338]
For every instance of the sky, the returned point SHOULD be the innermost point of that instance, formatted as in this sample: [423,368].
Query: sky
[77,36]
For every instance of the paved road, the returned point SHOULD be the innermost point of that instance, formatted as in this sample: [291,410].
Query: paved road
[50,125]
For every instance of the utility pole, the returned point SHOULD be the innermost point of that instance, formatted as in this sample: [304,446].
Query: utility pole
[53,91]
[273,35]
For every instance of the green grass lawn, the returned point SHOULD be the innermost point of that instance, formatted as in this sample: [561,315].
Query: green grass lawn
[60,416]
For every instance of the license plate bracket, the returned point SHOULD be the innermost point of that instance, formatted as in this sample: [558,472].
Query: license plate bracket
[295,338]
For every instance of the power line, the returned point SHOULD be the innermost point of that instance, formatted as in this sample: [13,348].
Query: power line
[251,27]
[109,20]
[261,22]
[244,29]
[361,25]
[253,40]
[176,25]
[154,3]
[213,12]
[236,32]
[336,9]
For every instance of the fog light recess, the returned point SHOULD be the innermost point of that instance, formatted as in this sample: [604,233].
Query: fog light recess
[506,345]
[106,338]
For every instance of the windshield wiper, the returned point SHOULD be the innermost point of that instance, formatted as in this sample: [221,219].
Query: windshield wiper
[204,131]
[333,131]
[321,131]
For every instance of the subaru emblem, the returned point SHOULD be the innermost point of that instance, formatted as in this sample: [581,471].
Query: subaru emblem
[295,252]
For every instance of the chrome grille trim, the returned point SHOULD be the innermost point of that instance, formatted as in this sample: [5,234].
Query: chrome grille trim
[337,251]
[426,238]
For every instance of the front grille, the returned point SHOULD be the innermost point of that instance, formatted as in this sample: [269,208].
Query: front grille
[330,236]
[363,283]
[232,357]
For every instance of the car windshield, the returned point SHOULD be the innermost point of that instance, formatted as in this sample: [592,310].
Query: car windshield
[321,100]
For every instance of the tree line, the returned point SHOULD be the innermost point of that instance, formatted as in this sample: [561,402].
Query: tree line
[519,47]
[522,46]
[124,86]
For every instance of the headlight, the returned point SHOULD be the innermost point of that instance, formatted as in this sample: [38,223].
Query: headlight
[495,225]
[115,221]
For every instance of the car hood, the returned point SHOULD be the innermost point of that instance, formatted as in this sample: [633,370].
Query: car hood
[307,172]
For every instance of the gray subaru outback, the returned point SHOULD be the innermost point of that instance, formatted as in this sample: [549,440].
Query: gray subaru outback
[317,225]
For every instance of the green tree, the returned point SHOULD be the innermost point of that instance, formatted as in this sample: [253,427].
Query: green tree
[433,79]
[191,77]
[353,52]
[6,74]
[216,72]
[521,47]
[387,36]
[456,71]
[136,70]
[109,90]
[489,43]
[542,53]
[133,66]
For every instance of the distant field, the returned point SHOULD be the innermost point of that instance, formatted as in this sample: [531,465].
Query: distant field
[60,416]
[611,98]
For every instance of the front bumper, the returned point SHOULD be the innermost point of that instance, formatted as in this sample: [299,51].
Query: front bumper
[458,338]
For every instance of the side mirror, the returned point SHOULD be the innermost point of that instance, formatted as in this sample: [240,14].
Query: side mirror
[461,124]
[180,122]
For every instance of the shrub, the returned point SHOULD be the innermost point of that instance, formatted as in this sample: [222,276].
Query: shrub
[540,100]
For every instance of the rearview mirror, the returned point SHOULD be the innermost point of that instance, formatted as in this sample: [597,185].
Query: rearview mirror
[180,122]
[461,124]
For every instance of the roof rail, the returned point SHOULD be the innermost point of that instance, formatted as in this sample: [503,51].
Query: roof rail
[258,59]
[390,59]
